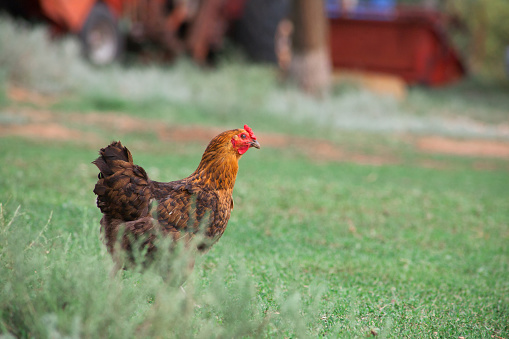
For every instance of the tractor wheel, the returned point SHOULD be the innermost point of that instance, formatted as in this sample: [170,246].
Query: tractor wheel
[256,30]
[100,37]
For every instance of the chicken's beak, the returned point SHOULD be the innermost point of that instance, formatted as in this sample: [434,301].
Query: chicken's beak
[254,143]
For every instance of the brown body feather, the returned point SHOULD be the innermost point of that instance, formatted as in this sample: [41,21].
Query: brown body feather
[125,196]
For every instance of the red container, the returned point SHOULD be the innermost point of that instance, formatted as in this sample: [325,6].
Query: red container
[407,43]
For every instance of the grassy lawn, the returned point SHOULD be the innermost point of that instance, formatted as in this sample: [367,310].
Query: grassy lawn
[312,249]
[317,245]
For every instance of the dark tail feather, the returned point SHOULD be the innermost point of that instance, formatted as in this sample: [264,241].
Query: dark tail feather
[122,190]
[115,151]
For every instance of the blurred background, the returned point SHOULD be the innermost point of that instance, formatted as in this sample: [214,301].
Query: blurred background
[407,66]
[426,42]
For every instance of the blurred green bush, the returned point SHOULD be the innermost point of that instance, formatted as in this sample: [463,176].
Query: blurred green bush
[480,29]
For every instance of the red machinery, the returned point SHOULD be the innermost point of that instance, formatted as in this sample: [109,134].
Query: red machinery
[192,26]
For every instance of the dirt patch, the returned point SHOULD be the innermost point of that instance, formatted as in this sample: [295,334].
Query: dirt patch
[19,94]
[187,134]
[475,148]
[116,121]
[40,124]
[316,149]
[50,131]
[375,82]
[44,124]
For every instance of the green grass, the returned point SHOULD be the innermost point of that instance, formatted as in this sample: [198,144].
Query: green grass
[311,250]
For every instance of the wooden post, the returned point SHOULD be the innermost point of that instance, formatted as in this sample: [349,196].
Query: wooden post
[311,65]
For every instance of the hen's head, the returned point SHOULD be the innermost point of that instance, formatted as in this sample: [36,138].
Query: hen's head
[243,139]
[234,142]
[219,163]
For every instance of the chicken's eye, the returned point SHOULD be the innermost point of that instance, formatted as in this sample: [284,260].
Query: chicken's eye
[243,136]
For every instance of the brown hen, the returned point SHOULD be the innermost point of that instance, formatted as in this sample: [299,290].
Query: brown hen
[140,208]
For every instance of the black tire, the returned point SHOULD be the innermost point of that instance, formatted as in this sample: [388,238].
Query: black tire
[100,37]
[256,30]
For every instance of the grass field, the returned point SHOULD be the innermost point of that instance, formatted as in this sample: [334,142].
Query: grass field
[346,231]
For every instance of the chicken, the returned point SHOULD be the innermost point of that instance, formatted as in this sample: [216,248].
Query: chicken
[140,208]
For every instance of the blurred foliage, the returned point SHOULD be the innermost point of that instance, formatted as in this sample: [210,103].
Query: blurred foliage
[480,29]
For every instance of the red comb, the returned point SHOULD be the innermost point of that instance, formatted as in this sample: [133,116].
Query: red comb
[250,131]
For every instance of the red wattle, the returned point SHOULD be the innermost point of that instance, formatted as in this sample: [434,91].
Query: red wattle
[243,149]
